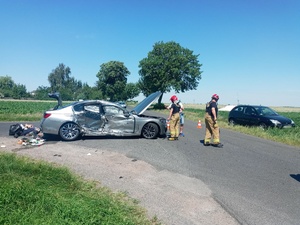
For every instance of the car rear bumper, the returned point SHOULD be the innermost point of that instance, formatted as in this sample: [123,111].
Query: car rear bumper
[49,126]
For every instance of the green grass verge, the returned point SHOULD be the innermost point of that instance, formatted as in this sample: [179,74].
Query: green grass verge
[36,192]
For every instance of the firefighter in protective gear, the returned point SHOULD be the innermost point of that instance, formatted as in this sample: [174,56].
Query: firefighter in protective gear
[174,118]
[181,116]
[212,130]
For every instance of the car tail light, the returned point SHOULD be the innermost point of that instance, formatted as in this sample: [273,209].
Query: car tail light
[46,115]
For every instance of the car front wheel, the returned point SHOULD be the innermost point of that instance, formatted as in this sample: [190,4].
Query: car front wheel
[69,131]
[150,131]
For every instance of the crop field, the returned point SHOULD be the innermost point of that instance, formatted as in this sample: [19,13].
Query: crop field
[24,110]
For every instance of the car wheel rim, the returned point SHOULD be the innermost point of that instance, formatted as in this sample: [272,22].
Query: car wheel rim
[69,131]
[263,126]
[149,131]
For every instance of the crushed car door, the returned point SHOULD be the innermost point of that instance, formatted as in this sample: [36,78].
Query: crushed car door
[118,119]
[89,115]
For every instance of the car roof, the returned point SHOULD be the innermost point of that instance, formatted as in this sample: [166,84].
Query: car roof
[139,109]
[95,101]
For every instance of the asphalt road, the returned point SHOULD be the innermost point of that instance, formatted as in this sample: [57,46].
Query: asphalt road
[256,181]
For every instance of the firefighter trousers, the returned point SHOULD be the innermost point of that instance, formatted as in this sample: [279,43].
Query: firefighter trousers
[211,131]
[174,125]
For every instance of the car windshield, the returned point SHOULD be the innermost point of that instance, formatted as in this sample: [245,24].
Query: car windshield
[265,111]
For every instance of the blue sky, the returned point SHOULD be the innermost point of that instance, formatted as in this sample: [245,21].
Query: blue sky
[249,49]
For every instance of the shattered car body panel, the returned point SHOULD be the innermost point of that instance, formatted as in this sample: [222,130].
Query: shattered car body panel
[98,119]
[103,118]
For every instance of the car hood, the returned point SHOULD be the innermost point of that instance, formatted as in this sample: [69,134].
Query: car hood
[143,105]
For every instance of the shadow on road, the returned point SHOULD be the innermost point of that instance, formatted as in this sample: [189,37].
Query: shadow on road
[55,138]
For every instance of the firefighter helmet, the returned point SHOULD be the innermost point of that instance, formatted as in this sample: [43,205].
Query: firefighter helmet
[174,98]
[215,96]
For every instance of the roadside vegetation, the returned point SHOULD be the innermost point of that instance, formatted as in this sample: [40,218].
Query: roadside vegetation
[35,192]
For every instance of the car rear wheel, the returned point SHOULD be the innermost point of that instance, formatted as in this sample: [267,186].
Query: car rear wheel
[231,122]
[150,131]
[263,126]
[69,131]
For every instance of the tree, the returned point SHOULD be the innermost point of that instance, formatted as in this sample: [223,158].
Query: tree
[41,93]
[6,86]
[112,80]
[59,77]
[19,91]
[61,81]
[169,66]
[87,92]
[132,90]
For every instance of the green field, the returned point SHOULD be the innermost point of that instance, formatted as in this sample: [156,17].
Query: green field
[24,110]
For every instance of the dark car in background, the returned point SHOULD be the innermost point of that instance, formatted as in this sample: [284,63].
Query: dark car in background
[253,115]
[102,118]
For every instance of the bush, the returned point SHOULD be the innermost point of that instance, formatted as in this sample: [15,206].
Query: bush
[159,106]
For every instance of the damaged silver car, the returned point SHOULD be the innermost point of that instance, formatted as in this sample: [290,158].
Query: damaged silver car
[102,118]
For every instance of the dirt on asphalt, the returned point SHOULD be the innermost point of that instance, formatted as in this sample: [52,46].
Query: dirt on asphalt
[173,198]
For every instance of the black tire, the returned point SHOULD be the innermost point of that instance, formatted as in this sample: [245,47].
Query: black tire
[263,126]
[150,131]
[231,122]
[69,131]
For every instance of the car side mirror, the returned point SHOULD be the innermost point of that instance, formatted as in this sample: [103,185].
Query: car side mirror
[126,114]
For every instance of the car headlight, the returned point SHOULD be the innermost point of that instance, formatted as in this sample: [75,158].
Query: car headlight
[292,122]
[275,122]
[163,120]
